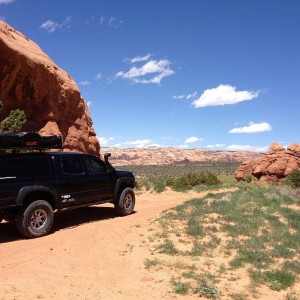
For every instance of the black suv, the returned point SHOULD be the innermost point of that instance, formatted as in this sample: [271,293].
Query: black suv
[33,185]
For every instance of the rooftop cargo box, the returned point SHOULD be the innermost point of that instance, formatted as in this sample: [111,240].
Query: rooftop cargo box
[29,140]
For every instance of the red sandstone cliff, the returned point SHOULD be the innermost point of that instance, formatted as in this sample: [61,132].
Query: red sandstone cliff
[31,81]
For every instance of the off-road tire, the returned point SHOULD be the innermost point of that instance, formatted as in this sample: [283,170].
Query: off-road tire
[125,204]
[35,220]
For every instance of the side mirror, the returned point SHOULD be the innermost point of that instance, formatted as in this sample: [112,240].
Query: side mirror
[110,168]
[106,157]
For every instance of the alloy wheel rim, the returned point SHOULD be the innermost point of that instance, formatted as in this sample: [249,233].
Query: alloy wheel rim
[38,219]
[128,201]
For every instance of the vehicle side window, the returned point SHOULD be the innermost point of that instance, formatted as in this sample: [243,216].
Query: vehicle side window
[71,166]
[94,166]
[24,167]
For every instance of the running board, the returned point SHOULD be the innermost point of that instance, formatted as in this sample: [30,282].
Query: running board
[84,205]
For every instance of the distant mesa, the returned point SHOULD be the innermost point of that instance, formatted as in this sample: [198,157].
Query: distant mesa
[174,155]
[31,81]
[274,166]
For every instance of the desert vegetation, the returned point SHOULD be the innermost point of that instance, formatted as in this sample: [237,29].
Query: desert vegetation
[293,180]
[181,177]
[248,238]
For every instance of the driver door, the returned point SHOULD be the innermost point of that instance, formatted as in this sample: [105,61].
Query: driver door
[101,180]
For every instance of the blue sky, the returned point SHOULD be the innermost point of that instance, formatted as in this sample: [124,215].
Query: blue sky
[216,74]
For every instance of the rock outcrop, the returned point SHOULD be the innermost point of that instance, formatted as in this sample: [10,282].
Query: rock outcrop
[246,168]
[274,166]
[31,81]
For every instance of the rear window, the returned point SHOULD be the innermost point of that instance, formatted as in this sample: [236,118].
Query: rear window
[24,167]
[71,166]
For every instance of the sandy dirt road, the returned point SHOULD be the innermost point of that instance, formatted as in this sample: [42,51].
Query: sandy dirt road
[89,255]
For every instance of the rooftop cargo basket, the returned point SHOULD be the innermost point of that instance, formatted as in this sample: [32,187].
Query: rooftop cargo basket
[29,140]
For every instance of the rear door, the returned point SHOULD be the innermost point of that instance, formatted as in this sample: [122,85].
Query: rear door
[73,182]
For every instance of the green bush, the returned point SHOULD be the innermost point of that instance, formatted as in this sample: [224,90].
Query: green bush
[248,178]
[190,180]
[143,183]
[159,186]
[293,179]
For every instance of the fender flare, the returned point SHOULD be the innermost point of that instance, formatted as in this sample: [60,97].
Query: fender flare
[127,181]
[25,191]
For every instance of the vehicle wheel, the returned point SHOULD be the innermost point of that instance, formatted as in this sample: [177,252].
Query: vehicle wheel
[126,202]
[35,220]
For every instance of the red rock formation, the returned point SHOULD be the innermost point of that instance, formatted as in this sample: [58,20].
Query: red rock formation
[274,166]
[30,80]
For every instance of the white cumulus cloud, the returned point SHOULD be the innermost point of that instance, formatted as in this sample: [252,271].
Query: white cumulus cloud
[139,143]
[193,139]
[117,145]
[104,140]
[246,148]
[216,146]
[223,95]
[151,71]
[252,128]
[183,146]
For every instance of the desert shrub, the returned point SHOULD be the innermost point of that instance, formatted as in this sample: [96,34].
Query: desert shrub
[143,183]
[190,180]
[156,184]
[293,179]
[159,186]
[248,178]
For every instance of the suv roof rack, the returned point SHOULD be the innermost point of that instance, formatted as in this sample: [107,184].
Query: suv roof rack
[29,140]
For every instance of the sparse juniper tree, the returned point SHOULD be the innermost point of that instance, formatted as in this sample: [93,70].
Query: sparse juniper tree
[14,121]
[293,179]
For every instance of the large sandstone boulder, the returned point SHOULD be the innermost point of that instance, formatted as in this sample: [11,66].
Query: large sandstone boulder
[274,166]
[31,81]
